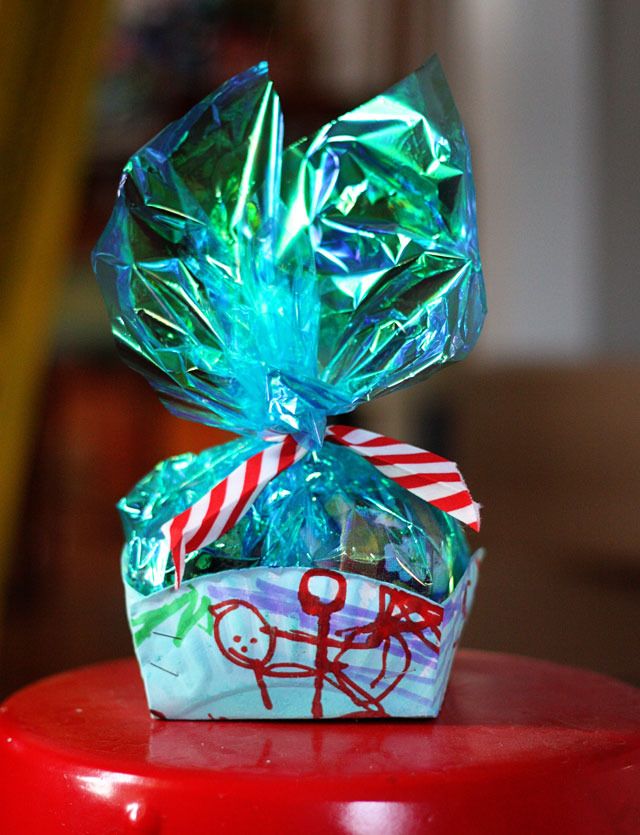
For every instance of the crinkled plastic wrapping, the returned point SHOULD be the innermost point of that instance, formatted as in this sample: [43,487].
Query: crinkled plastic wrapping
[332,510]
[261,289]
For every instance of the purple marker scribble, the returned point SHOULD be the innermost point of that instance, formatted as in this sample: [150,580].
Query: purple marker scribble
[247,630]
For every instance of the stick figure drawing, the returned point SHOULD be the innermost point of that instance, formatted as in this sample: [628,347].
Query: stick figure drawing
[246,639]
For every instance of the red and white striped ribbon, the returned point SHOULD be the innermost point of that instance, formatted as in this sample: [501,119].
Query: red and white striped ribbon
[428,476]
[217,511]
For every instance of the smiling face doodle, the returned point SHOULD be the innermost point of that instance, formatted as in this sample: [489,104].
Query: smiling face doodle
[242,634]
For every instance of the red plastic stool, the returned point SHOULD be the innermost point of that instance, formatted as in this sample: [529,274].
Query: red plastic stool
[521,746]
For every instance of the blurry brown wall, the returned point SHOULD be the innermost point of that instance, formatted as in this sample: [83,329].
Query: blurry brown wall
[554,456]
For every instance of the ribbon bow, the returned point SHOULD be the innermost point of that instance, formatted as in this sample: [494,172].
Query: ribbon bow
[428,476]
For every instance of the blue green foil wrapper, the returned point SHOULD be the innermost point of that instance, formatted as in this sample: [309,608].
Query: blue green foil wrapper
[261,289]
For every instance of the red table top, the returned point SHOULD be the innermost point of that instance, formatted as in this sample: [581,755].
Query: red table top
[520,746]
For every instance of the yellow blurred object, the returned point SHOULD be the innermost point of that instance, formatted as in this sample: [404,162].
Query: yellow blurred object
[47,69]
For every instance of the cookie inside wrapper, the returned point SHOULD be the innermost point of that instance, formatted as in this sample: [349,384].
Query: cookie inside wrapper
[301,570]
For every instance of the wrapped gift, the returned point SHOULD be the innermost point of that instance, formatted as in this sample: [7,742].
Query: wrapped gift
[307,568]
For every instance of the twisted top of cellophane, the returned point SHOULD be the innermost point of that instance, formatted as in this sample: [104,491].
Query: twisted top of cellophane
[261,288]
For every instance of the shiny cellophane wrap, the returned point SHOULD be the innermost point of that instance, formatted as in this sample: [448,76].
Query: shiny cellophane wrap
[261,289]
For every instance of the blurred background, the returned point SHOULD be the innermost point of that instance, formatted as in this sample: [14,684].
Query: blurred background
[545,417]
